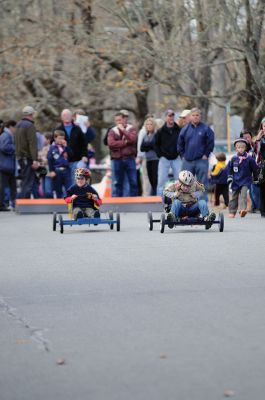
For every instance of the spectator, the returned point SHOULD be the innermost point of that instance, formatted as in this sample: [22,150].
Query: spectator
[241,167]
[26,150]
[141,160]
[47,184]
[195,143]
[219,179]
[147,146]
[254,190]
[126,187]
[166,149]
[122,141]
[183,118]
[7,165]
[75,140]
[39,172]
[58,155]
[260,140]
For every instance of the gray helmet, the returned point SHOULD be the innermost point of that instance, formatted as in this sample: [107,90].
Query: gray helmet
[186,177]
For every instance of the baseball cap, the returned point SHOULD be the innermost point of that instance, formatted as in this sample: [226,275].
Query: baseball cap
[170,112]
[28,110]
[184,113]
[125,113]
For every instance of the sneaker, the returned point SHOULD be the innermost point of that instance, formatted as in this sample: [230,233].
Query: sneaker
[209,220]
[243,213]
[4,208]
[231,215]
[170,220]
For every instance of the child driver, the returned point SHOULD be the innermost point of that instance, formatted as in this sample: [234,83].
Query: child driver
[184,200]
[86,200]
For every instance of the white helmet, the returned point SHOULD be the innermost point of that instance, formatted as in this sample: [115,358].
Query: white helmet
[186,177]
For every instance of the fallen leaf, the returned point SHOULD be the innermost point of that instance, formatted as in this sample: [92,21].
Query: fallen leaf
[22,341]
[60,361]
[229,393]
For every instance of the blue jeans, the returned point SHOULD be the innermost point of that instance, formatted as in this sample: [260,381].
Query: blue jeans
[198,168]
[47,187]
[126,187]
[121,168]
[254,193]
[61,181]
[73,167]
[179,210]
[163,168]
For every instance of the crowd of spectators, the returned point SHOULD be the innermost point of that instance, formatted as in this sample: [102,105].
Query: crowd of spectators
[141,162]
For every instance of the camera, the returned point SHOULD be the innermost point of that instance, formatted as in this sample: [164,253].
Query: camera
[41,171]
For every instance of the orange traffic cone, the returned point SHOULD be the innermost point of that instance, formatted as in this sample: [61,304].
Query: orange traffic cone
[107,189]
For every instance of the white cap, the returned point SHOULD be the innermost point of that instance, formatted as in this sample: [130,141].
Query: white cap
[124,112]
[184,114]
[28,110]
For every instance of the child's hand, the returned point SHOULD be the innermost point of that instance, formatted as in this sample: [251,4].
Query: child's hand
[52,174]
[74,196]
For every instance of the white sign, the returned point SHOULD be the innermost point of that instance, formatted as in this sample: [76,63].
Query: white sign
[82,121]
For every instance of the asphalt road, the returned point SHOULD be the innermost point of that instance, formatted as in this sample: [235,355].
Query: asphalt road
[132,315]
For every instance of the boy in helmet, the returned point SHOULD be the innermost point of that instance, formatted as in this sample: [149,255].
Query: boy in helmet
[85,199]
[185,203]
[241,170]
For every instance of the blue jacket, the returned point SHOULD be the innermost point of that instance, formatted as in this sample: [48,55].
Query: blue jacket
[195,141]
[241,172]
[57,159]
[7,152]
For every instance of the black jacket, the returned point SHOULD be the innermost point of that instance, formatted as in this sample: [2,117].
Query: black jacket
[77,143]
[166,141]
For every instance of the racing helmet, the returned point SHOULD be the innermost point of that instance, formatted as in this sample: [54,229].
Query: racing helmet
[186,177]
[82,173]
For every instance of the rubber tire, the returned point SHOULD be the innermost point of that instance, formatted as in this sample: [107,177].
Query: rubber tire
[162,222]
[221,224]
[118,224]
[150,220]
[60,221]
[111,217]
[54,221]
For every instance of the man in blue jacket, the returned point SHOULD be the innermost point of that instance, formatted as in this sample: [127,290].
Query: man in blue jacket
[195,143]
